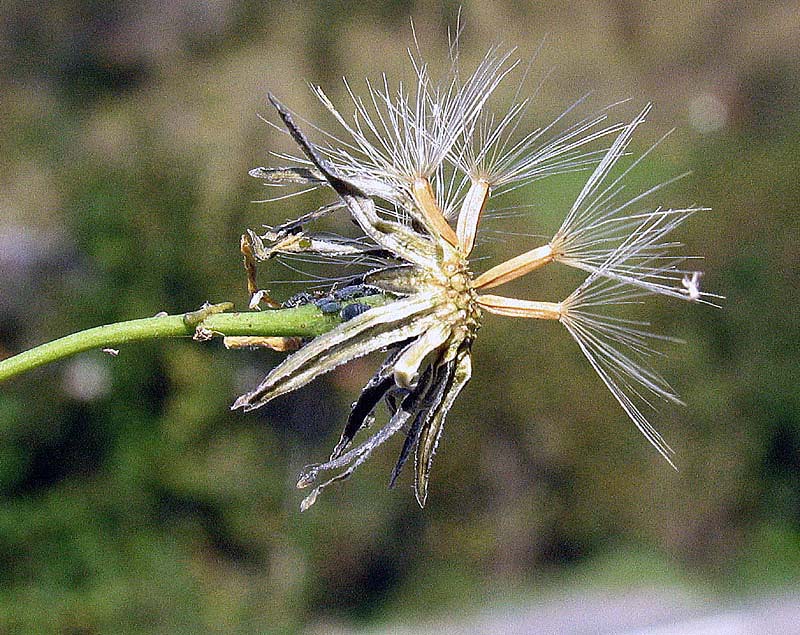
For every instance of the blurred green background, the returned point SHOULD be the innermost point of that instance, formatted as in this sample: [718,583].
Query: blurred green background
[134,501]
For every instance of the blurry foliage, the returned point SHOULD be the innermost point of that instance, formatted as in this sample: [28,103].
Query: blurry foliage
[141,504]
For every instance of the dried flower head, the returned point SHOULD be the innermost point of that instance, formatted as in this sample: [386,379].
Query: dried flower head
[415,170]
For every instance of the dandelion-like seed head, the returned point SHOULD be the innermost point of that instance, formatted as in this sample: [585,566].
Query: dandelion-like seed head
[416,170]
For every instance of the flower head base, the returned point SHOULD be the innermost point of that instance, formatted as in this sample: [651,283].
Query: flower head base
[434,158]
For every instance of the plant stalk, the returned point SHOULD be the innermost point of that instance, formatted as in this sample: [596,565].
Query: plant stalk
[210,321]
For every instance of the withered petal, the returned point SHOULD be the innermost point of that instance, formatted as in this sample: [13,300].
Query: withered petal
[370,396]
[426,401]
[368,332]
[430,434]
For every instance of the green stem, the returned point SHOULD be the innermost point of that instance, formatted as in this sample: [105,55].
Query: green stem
[304,321]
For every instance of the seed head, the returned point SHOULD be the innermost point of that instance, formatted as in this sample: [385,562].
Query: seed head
[416,170]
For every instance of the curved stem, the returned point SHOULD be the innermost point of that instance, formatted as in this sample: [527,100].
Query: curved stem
[303,321]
